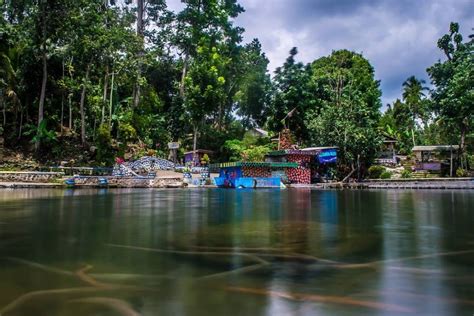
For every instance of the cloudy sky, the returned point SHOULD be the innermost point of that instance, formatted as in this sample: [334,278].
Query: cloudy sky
[397,36]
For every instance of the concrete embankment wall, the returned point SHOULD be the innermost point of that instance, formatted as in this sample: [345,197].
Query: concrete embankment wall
[433,183]
[32,179]
[29,176]
[130,182]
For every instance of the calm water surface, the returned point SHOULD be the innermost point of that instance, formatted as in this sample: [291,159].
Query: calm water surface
[236,252]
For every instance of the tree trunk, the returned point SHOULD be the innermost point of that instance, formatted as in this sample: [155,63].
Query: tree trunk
[4,109]
[140,12]
[62,115]
[221,114]
[183,76]
[62,106]
[45,76]
[104,96]
[463,137]
[83,97]
[70,111]
[195,144]
[462,143]
[111,98]
[20,130]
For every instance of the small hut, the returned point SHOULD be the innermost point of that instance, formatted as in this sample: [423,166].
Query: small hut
[436,158]
[387,154]
[194,157]
[307,159]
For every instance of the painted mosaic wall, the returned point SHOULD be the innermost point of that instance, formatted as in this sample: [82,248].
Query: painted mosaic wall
[253,172]
[302,174]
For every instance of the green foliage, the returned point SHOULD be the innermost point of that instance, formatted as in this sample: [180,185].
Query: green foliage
[205,159]
[234,149]
[453,96]
[250,148]
[414,97]
[376,171]
[348,114]
[255,153]
[41,133]
[253,96]
[386,175]
[406,174]
[460,172]
[127,131]
[187,73]
[105,153]
[293,96]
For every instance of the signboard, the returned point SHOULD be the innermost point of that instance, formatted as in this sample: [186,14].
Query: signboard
[174,145]
[327,156]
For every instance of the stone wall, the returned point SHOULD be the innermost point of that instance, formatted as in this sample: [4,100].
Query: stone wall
[39,177]
[302,174]
[256,172]
[131,182]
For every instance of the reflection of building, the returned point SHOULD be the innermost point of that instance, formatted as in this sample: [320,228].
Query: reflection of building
[197,156]
[436,158]
[288,166]
[309,160]
[252,174]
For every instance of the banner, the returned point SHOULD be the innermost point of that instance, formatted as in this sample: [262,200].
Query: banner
[327,156]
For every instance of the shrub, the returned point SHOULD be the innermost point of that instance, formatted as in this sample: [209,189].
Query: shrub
[205,159]
[470,161]
[376,171]
[406,174]
[256,153]
[127,131]
[386,175]
[105,152]
[460,172]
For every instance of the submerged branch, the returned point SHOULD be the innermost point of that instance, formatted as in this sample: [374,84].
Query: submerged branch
[192,253]
[40,266]
[119,306]
[323,299]
[235,271]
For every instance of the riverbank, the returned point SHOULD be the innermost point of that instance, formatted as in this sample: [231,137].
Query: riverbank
[430,183]
[170,179]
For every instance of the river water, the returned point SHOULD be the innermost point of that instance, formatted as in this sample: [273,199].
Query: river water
[236,252]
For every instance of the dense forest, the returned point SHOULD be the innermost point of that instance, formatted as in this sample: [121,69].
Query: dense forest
[94,80]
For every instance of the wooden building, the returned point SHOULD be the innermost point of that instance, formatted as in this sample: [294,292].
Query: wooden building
[436,158]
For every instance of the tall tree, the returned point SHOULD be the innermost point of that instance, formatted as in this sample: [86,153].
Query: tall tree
[453,79]
[204,85]
[414,96]
[293,95]
[253,96]
[350,104]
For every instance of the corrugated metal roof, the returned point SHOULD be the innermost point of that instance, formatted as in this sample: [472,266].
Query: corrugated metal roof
[313,151]
[203,151]
[436,148]
[319,148]
[256,164]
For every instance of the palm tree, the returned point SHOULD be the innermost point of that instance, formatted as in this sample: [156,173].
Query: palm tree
[414,96]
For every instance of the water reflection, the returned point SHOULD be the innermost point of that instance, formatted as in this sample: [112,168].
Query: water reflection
[243,252]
